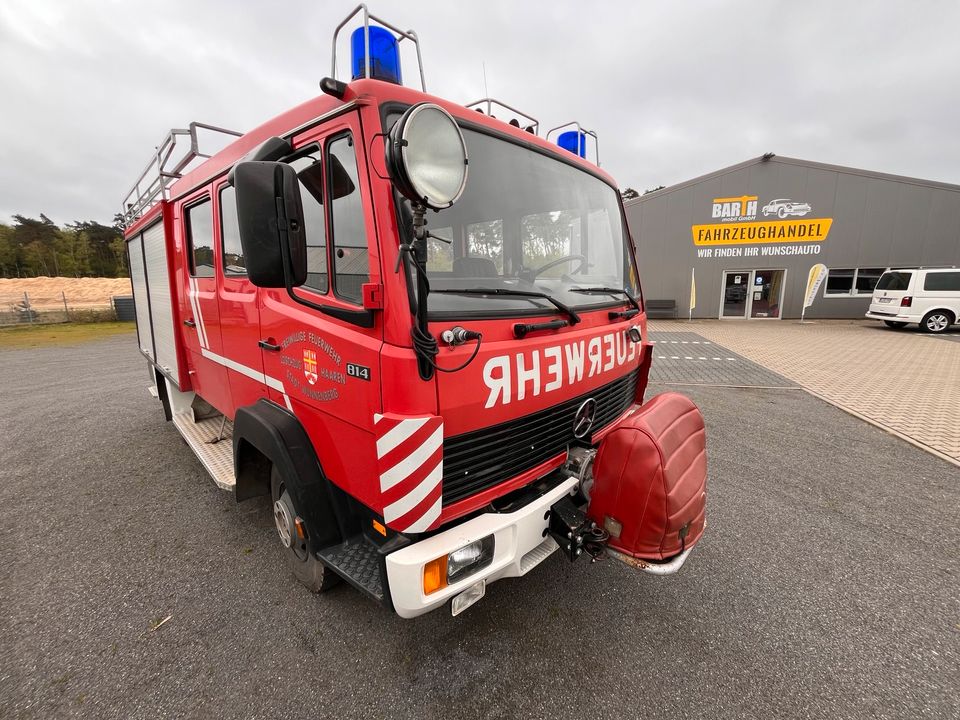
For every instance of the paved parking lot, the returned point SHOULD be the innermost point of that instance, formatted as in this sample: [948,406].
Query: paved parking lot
[826,585]
[902,380]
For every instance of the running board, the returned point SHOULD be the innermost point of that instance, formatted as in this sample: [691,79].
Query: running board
[357,561]
[212,442]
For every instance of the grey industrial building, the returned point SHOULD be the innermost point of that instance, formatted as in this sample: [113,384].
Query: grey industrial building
[750,233]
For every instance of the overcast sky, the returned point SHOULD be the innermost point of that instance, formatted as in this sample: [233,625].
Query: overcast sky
[674,89]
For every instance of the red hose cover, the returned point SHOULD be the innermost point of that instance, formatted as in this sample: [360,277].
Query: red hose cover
[650,474]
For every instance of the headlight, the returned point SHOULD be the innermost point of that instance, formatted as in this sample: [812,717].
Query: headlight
[442,571]
[427,157]
[469,559]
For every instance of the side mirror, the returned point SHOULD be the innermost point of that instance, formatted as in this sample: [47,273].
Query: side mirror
[270,217]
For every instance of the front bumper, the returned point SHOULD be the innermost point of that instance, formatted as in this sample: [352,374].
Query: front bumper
[520,547]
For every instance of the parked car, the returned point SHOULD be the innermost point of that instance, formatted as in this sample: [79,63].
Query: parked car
[784,207]
[930,298]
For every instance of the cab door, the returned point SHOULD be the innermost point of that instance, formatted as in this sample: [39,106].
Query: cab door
[200,311]
[321,349]
[238,302]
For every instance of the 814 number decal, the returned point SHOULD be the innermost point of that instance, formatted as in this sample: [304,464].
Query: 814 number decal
[358,371]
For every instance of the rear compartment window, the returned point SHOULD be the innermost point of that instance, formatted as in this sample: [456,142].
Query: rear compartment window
[946,281]
[894,281]
[232,250]
[200,239]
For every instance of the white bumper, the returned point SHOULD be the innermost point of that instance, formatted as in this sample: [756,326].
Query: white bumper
[886,312]
[519,547]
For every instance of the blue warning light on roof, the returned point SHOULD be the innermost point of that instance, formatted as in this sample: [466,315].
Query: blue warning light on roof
[384,55]
[574,141]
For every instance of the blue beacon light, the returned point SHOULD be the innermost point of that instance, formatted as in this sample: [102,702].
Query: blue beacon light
[384,55]
[574,141]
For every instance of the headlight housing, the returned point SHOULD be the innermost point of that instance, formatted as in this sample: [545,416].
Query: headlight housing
[470,558]
[427,156]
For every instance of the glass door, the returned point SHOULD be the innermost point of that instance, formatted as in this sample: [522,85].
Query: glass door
[735,293]
[766,293]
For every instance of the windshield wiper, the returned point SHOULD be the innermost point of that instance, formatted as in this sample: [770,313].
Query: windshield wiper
[507,292]
[607,291]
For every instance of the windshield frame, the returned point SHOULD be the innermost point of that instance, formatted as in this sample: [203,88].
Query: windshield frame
[389,108]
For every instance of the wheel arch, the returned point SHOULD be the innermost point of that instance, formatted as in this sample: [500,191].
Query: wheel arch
[266,435]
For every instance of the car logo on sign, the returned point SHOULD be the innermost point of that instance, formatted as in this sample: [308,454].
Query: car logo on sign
[310,366]
[584,417]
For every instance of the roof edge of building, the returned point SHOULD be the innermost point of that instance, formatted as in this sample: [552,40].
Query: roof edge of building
[794,161]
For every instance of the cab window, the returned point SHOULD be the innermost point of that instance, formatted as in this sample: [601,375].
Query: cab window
[310,174]
[199,226]
[351,256]
[231,250]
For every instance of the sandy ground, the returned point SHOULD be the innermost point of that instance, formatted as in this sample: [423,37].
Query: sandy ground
[45,292]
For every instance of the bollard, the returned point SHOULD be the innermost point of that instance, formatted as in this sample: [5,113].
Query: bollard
[26,303]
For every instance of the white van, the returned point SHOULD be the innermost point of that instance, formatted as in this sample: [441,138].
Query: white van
[930,298]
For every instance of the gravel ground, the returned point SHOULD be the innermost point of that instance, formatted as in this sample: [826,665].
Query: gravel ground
[826,585]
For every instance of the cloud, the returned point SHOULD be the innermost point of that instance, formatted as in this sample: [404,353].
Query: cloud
[673,89]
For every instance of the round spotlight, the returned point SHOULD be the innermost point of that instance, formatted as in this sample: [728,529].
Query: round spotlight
[427,157]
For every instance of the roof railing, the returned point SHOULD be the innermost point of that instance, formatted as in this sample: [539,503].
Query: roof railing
[489,104]
[163,169]
[367,17]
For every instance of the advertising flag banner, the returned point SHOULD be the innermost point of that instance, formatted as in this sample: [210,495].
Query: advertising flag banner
[814,280]
[693,292]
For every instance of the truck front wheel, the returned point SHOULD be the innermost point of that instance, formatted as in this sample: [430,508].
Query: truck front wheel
[305,566]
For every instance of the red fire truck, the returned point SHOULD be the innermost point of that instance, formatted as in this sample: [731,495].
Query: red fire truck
[417,329]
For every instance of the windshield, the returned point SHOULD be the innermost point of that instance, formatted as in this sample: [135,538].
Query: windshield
[528,222]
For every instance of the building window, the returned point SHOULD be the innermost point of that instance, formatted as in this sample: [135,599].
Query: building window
[231,249]
[866,281]
[852,282]
[200,239]
[839,281]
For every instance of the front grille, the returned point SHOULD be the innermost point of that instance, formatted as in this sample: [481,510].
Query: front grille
[483,458]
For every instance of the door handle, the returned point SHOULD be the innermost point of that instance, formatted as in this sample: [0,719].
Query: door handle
[189,323]
[267,345]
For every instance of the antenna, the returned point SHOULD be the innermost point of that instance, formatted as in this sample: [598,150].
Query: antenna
[485,91]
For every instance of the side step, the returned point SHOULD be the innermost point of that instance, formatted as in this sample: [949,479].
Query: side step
[212,442]
[357,561]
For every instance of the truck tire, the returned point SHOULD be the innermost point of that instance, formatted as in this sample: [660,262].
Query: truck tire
[304,564]
[936,321]
[894,323]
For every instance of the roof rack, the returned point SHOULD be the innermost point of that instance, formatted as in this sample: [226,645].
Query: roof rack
[490,102]
[152,184]
[367,17]
[582,130]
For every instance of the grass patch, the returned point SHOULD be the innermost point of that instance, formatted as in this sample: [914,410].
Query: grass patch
[34,336]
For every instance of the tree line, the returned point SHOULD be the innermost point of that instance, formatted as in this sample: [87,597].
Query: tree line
[85,248]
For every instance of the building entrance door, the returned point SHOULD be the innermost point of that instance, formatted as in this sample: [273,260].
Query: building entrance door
[736,286]
[754,294]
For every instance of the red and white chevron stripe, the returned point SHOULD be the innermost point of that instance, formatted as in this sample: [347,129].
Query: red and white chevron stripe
[410,457]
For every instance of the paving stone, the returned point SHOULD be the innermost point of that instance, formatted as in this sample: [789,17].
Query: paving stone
[904,380]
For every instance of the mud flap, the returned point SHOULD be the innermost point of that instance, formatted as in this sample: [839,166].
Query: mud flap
[649,489]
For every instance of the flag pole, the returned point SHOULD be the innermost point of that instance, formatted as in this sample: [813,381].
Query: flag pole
[693,293]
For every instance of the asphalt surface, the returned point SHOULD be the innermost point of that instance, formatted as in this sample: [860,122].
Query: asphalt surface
[685,358]
[826,584]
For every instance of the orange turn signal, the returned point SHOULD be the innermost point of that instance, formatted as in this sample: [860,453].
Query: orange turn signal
[435,575]
[379,527]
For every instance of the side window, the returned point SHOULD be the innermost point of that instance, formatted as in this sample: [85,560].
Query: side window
[485,239]
[351,264]
[943,281]
[310,173]
[231,250]
[199,222]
